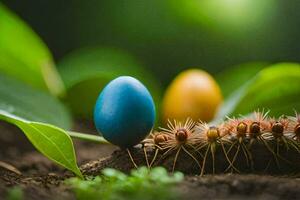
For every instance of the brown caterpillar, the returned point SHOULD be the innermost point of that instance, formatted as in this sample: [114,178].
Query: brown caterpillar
[235,136]
[176,138]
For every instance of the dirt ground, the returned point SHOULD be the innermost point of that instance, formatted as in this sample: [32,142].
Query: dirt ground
[41,179]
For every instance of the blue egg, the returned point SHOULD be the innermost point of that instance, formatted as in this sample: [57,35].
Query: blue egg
[124,113]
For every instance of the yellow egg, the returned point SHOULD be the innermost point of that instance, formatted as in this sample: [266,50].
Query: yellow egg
[193,93]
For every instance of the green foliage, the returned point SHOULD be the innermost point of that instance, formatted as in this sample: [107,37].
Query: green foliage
[275,88]
[51,141]
[232,78]
[15,193]
[24,56]
[85,73]
[235,17]
[31,104]
[115,185]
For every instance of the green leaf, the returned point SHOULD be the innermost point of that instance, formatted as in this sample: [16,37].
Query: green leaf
[141,183]
[276,88]
[86,71]
[234,77]
[31,104]
[24,56]
[51,141]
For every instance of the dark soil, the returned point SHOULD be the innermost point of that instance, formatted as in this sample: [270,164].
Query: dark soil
[42,179]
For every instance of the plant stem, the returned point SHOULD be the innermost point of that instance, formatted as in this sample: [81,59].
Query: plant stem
[88,137]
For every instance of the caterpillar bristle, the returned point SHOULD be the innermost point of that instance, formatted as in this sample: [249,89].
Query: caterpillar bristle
[178,136]
[234,139]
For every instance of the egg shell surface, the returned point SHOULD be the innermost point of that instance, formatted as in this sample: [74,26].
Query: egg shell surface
[125,112]
[192,94]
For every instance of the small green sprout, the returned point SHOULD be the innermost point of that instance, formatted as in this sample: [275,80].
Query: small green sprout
[140,184]
[15,193]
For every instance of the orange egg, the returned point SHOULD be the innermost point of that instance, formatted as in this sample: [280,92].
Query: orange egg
[193,93]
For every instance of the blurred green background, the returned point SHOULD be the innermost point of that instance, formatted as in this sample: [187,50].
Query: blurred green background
[171,35]
[66,51]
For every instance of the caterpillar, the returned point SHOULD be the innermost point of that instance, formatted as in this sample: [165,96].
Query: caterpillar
[233,138]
